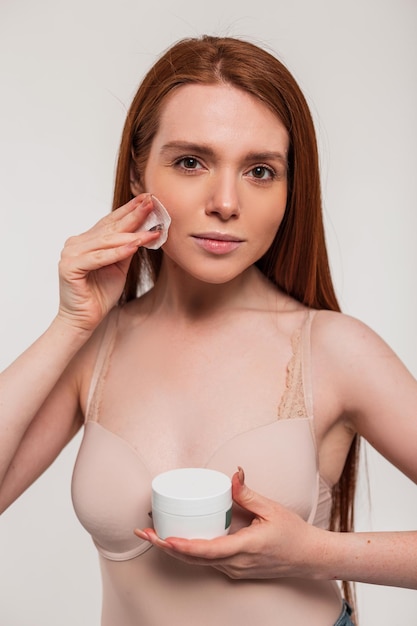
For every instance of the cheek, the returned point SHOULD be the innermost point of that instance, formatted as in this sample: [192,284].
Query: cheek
[264,235]
[267,223]
[174,195]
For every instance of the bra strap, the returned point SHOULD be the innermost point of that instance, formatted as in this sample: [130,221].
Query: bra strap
[306,363]
[101,364]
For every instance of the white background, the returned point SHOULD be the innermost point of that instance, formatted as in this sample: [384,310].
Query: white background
[68,71]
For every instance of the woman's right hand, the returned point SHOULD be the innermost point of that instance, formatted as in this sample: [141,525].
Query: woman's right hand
[94,265]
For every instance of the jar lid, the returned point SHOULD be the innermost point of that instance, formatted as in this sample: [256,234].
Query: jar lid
[192,491]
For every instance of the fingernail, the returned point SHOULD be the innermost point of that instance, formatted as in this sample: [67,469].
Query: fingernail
[142,534]
[142,201]
[147,200]
[241,475]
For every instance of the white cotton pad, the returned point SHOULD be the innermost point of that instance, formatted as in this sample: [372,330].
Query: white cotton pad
[158,219]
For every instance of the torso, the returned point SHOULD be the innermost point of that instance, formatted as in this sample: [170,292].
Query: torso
[172,394]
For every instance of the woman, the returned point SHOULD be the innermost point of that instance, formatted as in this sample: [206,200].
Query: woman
[236,355]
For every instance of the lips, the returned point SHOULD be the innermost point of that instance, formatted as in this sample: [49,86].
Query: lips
[217,243]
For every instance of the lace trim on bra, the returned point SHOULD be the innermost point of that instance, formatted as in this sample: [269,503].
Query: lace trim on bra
[293,403]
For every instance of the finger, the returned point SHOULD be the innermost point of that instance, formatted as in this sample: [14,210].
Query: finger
[131,213]
[213,549]
[94,242]
[83,255]
[148,534]
[131,220]
[210,549]
[248,499]
[142,201]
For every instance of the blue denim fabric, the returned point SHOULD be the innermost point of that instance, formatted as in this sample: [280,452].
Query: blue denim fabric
[344,619]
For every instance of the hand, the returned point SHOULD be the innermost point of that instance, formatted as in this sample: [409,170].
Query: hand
[276,544]
[94,265]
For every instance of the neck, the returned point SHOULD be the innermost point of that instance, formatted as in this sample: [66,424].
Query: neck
[180,294]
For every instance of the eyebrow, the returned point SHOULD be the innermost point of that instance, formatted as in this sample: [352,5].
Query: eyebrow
[187,146]
[205,150]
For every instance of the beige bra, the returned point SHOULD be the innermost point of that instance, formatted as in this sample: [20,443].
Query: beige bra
[111,485]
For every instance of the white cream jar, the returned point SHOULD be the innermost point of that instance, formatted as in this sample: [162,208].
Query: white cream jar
[193,503]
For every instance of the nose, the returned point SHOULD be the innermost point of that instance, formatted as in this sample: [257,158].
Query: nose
[223,199]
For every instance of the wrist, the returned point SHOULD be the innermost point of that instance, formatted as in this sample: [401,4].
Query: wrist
[77,323]
[316,554]
[70,330]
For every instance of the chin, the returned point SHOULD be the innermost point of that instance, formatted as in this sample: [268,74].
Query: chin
[213,278]
[211,271]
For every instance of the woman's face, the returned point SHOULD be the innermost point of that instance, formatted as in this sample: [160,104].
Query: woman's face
[219,165]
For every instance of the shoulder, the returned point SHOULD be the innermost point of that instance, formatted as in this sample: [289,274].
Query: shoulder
[375,393]
[342,336]
[346,354]
[354,360]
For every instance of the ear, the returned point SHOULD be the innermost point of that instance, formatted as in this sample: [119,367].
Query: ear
[135,184]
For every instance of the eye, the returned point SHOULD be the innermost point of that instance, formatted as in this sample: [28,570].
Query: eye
[262,172]
[188,163]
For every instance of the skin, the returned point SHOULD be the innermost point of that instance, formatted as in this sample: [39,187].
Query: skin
[203,167]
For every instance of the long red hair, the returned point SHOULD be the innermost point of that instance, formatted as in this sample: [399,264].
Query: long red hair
[297,260]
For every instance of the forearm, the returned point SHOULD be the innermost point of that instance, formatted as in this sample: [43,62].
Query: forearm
[27,382]
[381,558]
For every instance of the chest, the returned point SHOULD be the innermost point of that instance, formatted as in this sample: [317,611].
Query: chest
[185,395]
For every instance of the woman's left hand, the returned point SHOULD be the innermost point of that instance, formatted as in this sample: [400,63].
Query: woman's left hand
[278,543]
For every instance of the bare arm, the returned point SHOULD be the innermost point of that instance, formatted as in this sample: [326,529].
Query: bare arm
[39,410]
[378,393]
[39,392]
[379,398]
